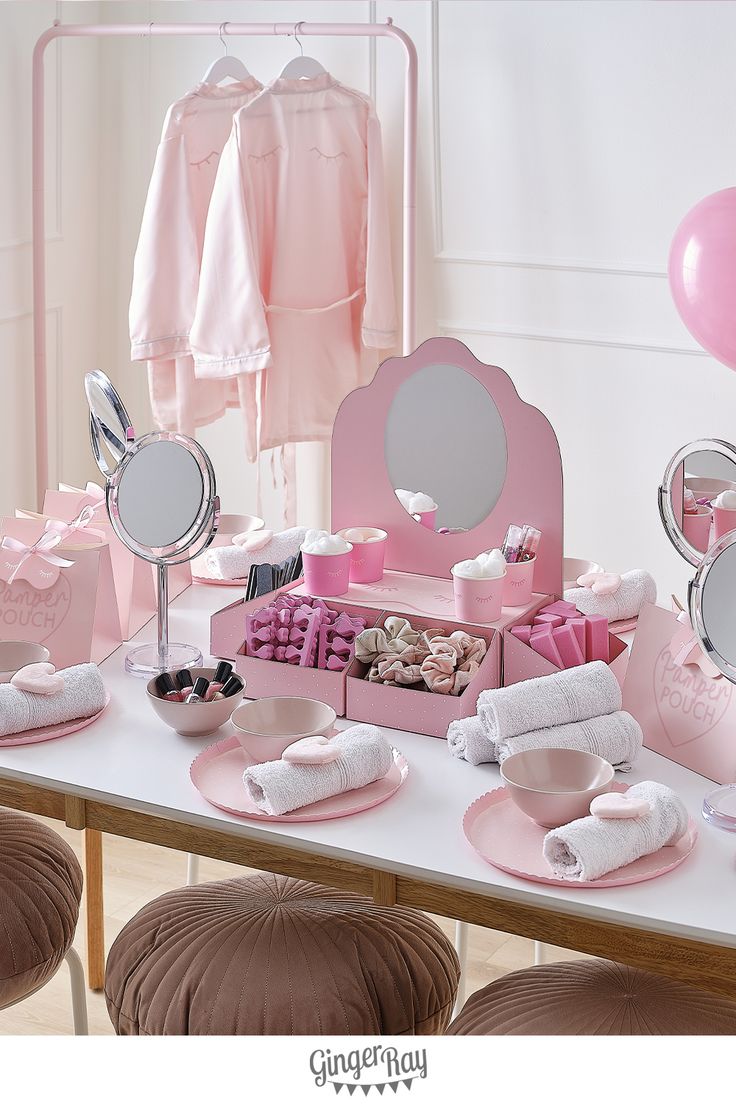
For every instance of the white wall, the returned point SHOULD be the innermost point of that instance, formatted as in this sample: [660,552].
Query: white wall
[570,138]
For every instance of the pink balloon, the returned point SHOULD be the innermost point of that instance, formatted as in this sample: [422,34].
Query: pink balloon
[702,274]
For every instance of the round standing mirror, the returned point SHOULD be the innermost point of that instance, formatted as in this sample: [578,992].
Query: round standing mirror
[445,448]
[163,505]
[712,601]
[697,498]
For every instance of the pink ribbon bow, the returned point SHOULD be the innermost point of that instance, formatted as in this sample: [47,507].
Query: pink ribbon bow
[600,582]
[686,649]
[41,550]
[81,521]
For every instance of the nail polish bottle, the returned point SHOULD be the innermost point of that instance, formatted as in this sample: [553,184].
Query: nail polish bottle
[197,694]
[232,686]
[184,681]
[166,687]
[222,674]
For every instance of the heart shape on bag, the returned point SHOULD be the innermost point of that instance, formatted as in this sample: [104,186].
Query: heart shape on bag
[619,806]
[689,704]
[600,582]
[312,751]
[38,678]
[30,614]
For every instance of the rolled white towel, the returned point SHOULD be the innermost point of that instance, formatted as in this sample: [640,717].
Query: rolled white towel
[83,695]
[565,697]
[467,739]
[588,848]
[279,787]
[617,737]
[230,561]
[637,588]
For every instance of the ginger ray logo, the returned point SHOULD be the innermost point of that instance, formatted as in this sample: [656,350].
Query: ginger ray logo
[369,1068]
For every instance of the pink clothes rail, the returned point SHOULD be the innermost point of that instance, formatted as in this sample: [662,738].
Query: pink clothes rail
[123,30]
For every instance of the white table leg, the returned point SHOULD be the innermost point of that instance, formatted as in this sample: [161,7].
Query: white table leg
[192,869]
[461,946]
[79,992]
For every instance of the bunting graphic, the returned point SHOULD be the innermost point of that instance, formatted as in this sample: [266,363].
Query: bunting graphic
[351,1086]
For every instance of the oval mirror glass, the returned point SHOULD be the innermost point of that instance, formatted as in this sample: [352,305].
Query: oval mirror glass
[713,604]
[161,494]
[697,498]
[109,422]
[445,448]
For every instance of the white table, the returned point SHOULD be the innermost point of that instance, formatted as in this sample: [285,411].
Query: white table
[129,775]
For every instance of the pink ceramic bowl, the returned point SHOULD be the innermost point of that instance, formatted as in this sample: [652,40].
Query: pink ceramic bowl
[198,718]
[553,786]
[15,654]
[266,727]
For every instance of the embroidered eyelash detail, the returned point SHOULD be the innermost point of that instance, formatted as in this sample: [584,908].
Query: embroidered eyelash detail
[205,160]
[264,156]
[326,156]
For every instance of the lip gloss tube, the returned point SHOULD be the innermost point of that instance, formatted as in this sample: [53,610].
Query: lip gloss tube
[197,694]
[222,674]
[232,686]
[166,687]
[512,543]
[530,543]
[184,680]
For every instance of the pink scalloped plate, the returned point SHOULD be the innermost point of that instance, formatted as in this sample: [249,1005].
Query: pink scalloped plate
[217,773]
[509,840]
[205,580]
[51,732]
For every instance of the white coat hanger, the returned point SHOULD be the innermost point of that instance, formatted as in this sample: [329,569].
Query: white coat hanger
[225,66]
[301,67]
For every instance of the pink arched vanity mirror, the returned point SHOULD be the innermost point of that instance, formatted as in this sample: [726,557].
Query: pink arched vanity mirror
[442,424]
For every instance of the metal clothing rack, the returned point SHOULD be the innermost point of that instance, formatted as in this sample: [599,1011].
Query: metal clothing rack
[128,30]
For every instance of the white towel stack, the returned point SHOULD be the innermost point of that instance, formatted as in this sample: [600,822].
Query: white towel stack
[588,848]
[577,708]
[83,696]
[637,588]
[278,787]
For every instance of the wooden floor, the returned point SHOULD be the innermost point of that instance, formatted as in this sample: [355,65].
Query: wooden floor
[135,873]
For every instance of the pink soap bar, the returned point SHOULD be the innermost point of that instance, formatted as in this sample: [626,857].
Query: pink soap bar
[522,632]
[566,640]
[596,638]
[561,608]
[544,644]
[552,619]
[578,626]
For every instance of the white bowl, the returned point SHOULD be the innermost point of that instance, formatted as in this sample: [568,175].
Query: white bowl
[15,654]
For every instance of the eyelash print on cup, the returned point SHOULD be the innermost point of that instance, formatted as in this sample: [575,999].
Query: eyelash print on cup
[205,160]
[326,156]
[264,156]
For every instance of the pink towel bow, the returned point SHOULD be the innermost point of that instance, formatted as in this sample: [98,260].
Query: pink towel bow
[600,582]
[28,563]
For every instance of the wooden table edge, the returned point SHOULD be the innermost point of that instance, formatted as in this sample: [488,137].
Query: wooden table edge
[707,965]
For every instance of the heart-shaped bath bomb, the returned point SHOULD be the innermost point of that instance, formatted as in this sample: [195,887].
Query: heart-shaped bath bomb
[618,806]
[253,542]
[601,582]
[312,751]
[38,678]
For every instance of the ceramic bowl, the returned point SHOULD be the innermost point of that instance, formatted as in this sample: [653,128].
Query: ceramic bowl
[553,786]
[572,570]
[15,654]
[198,718]
[266,727]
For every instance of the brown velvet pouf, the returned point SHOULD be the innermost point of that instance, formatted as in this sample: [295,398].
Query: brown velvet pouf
[40,891]
[593,998]
[269,955]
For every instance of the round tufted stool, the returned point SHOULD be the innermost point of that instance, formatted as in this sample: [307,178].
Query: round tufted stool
[593,998]
[40,891]
[269,955]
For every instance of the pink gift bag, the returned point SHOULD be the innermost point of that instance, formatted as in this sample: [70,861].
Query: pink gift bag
[685,713]
[57,593]
[134,580]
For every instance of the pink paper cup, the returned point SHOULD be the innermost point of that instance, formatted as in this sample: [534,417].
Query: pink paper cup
[478,601]
[723,521]
[366,559]
[428,518]
[696,527]
[518,586]
[327,576]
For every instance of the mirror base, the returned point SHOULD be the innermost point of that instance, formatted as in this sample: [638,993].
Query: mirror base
[719,808]
[146,661]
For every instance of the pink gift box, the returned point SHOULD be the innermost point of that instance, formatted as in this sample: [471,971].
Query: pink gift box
[420,710]
[685,715]
[76,615]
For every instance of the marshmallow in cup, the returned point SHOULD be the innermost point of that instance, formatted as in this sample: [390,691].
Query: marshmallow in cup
[726,500]
[326,559]
[478,587]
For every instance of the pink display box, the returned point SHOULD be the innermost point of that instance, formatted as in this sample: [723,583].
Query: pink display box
[522,662]
[264,678]
[685,715]
[418,710]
